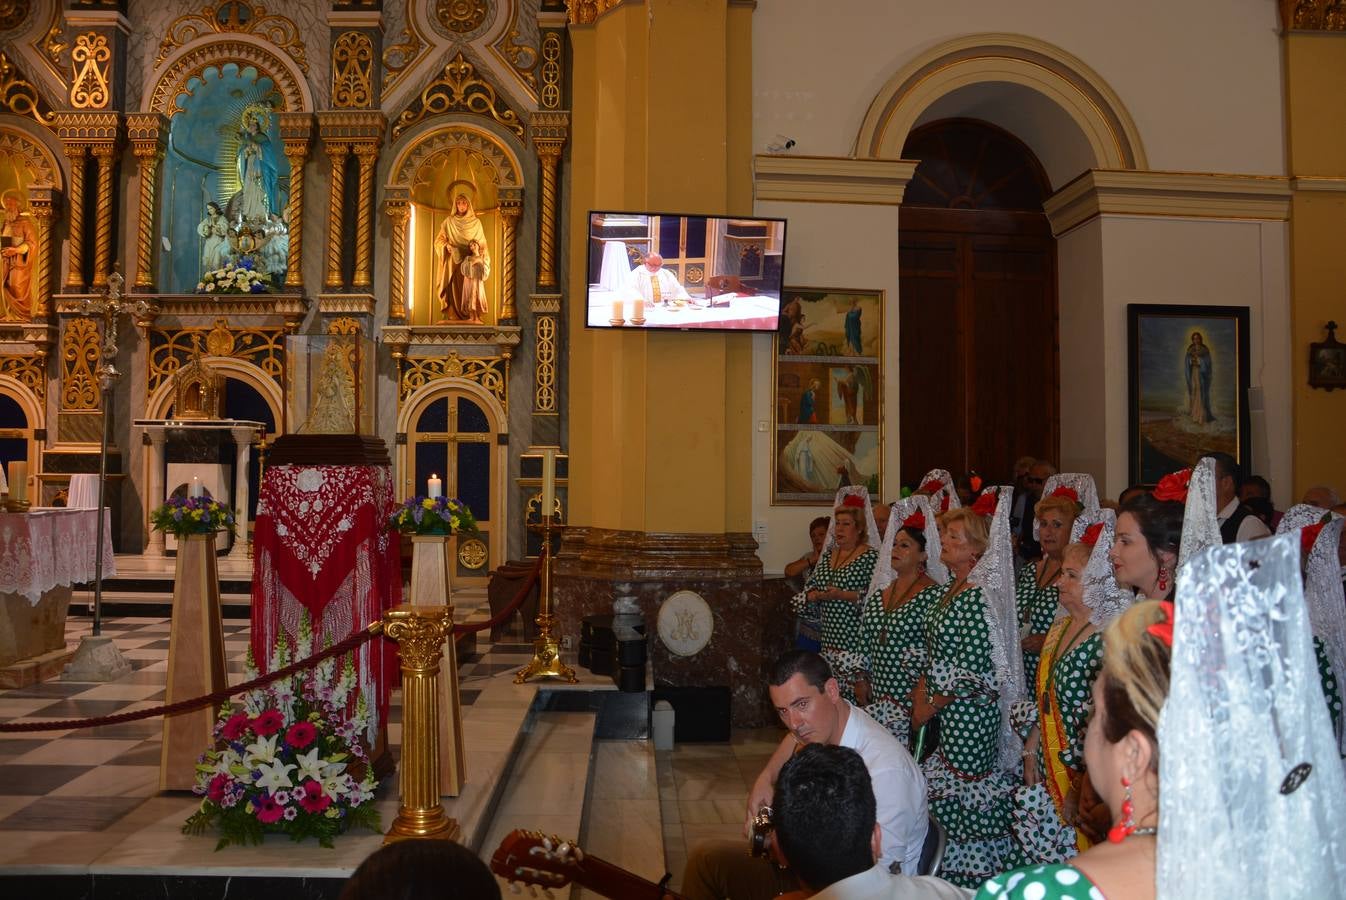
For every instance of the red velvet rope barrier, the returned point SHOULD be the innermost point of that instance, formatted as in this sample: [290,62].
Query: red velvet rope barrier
[344,646]
[182,706]
[511,606]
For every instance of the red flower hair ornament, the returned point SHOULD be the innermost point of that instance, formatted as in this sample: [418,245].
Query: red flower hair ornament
[985,505]
[1068,492]
[916,520]
[933,486]
[1090,536]
[852,501]
[1308,536]
[1173,486]
[1164,630]
[974,481]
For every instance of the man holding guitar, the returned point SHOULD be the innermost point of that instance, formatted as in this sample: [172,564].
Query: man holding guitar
[810,704]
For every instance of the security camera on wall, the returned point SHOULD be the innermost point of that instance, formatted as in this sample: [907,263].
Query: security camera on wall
[780,144]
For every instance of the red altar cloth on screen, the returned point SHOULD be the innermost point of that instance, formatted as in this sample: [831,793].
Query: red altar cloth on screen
[320,545]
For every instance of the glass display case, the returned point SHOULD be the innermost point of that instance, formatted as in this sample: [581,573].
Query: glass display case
[331,384]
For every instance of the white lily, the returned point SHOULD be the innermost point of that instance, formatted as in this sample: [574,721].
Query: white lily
[310,766]
[263,750]
[276,775]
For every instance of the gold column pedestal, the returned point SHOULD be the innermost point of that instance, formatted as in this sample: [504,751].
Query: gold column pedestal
[546,661]
[420,633]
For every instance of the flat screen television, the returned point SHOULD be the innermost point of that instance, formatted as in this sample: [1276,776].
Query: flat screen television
[673,271]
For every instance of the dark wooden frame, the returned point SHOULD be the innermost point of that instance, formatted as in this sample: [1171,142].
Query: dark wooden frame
[1135,314]
[1320,376]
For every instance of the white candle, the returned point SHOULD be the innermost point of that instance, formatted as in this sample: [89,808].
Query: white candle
[197,489]
[617,311]
[548,483]
[639,312]
[18,479]
[435,487]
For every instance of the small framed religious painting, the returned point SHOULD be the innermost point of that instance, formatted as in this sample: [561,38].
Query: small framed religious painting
[1327,361]
[1188,372]
[828,395]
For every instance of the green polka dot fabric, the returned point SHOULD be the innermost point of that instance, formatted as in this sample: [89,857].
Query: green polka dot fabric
[1049,882]
[893,645]
[1331,690]
[1037,608]
[968,794]
[1040,834]
[841,620]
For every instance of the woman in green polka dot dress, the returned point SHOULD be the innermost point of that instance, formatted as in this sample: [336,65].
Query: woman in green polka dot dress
[968,790]
[893,623]
[1036,593]
[838,583]
[1053,724]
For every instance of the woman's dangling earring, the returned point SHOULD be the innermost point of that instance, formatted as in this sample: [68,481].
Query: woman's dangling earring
[1122,830]
[1163,581]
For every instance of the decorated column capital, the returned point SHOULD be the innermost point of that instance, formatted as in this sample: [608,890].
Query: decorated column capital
[42,203]
[147,133]
[549,130]
[296,131]
[511,208]
[398,210]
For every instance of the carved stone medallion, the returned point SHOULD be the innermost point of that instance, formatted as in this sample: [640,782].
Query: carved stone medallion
[685,623]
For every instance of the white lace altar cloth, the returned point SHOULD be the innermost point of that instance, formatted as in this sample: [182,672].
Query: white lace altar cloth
[320,544]
[48,548]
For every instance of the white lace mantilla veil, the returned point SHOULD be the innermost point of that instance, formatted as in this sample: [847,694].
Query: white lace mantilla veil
[1200,523]
[1102,594]
[901,511]
[949,490]
[872,535]
[1252,796]
[994,574]
[1323,591]
[1080,482]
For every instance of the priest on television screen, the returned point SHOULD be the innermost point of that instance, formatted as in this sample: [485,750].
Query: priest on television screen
[655,283]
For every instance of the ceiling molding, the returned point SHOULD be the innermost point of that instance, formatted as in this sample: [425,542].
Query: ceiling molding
[831,179]
[1175,194]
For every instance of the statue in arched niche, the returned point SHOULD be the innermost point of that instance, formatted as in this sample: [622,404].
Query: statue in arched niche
[256,165]
[18,249]
[214,232]
[462,259]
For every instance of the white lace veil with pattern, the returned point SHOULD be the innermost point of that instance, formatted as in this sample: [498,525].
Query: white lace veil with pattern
[1200,524]
[1079,482]
[948,490]
[1105,598]
[994,574]
[1323,591]
[901,511]
[872,536]
[1252,796]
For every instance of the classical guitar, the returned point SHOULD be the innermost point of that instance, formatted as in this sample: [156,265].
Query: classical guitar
[533,858]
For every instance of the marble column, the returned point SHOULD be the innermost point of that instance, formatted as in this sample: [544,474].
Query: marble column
[155,496]
[242,456]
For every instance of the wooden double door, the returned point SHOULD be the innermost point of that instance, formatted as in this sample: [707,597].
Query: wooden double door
[978,365]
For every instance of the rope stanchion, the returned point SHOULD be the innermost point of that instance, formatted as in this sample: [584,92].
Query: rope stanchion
[172,709]
[515,602]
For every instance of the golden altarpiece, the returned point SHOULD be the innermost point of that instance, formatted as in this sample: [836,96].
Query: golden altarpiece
[385,171]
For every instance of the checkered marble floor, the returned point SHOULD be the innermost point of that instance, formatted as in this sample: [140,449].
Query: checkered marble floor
[88,780]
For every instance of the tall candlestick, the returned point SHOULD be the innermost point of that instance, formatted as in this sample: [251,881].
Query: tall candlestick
[435,487]
[548,483]
[18,479]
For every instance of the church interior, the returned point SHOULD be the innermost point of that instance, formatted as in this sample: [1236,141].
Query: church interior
[378,240]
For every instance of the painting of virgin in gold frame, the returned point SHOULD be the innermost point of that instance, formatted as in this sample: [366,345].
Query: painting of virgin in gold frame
[828,408]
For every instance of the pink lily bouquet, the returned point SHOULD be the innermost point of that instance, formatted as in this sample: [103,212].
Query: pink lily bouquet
[291,761]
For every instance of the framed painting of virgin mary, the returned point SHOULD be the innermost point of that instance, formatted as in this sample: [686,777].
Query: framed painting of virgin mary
[1188,371]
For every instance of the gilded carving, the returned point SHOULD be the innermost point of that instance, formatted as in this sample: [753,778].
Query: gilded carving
[518,44]
[29,371]
[551,70]
[20,96]
[79,364]
[491,154]
[29,155]
[459,88]
[13,13]
[586,12]
[53,43]
[237,17]
[352,70]
[399,56]
[106,154]
[461,16]
[74,278]
[290,94]
[1314,15]
[419,632]
[544,391]
[91,62]
[344,325]
[171,350]
[491,372]
[472,554]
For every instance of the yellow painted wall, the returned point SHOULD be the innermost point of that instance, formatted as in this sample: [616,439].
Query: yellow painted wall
[1315,67]
[660,427]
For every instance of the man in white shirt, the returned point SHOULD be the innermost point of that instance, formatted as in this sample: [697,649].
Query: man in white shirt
[826,832]
[656,284]
[810,704]
[1237,521]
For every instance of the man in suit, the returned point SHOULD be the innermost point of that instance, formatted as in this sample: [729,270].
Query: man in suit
[1237,521]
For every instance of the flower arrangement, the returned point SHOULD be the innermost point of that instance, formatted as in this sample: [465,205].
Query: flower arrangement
[181,516]
[290,761]
[235,278]
[433,515]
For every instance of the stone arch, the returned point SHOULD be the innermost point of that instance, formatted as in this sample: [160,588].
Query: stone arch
[439,137]
[156,407]
[1066,81]
[193,58]
[427,393]
[28,401]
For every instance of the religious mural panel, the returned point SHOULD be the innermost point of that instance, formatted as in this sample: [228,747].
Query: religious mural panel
[20,166]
